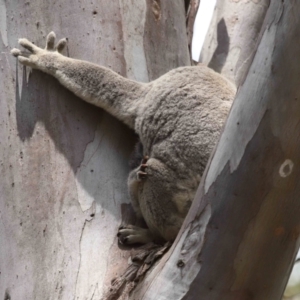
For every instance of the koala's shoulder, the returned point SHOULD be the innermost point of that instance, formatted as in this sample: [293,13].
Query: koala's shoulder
[195,78]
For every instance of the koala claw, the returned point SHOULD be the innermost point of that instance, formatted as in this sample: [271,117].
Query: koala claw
[141,173]
[130,234]
[145,159]
[32,54]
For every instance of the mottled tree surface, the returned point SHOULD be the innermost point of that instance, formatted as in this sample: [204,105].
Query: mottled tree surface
[241,235]
[232,37]
[64,163]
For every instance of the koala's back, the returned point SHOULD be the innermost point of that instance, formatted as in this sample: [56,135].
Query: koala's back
[179,122]
[182,116]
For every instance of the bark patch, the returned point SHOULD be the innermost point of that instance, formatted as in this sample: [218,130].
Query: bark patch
[156,10]
[141,260]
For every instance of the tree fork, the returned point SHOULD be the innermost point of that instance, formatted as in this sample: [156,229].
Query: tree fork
[241,235]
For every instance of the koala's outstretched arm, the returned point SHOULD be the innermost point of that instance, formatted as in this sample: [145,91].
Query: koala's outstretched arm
[94,84]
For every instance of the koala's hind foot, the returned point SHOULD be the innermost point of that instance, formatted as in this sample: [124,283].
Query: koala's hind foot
[130,234]
[141,172]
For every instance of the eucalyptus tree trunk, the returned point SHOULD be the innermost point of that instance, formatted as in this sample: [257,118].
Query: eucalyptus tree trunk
[232,37]
[241,235]
[64,163]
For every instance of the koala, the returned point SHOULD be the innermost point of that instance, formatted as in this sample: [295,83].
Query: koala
[178,118]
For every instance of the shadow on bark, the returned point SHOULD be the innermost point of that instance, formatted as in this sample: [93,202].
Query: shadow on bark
[218,59]
[71,123]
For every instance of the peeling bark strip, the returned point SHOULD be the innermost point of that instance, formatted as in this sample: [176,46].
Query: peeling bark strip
[231,39]
[191,7]
[156,9]
[241,236]
[141,262]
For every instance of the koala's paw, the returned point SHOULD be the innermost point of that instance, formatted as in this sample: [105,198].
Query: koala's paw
[129,234]
[141,172]
[33,53]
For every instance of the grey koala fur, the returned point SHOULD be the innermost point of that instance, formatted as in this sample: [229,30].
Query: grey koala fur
[178,118]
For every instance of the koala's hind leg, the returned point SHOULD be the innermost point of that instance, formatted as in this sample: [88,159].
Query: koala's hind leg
[130,234]
[134,187]
[152,190]
[157,199]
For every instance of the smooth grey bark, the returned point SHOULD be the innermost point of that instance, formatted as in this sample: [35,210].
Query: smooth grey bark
[64,163]
[241,235]
[232,37]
